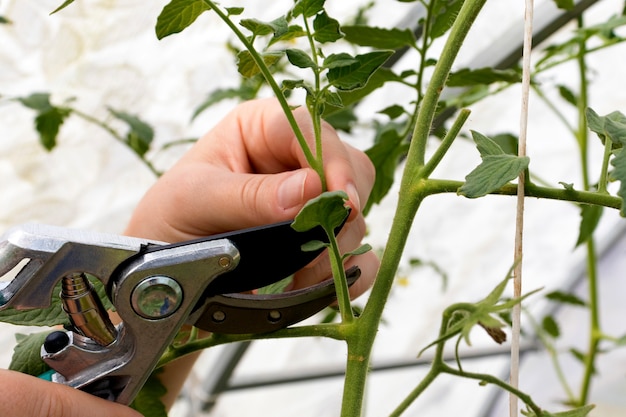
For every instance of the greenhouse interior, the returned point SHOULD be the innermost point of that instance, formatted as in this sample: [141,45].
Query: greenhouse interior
[100,98]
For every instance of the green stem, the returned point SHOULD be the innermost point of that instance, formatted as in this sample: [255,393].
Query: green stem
[267,74]
[437,186]
[425,382]
[329,330]
[592,269]
[583,136]
[445,144]
[557,112]
[423,51]
[604,171]
[435,368]
[554,358]
[462,24]
[341,283]
[411,195]
[117,137]
[595,332]
[316,116]
[490,379]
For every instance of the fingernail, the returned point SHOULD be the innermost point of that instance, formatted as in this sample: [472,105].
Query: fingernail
[291,191]
[353,196]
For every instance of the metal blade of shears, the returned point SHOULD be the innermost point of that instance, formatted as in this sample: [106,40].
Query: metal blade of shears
[254,313]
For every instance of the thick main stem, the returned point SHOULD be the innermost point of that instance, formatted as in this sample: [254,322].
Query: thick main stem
[592,270]
[411,196]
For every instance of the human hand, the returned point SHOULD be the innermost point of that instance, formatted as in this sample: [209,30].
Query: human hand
[250,170]
[26,396]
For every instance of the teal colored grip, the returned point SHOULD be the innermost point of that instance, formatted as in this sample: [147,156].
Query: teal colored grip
[47,375]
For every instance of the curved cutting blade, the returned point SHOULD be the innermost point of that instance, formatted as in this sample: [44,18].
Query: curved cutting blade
[251,313]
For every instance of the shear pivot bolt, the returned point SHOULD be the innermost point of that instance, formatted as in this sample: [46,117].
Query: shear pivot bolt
[224,262]
[274,316]
[157,297]
[219,316]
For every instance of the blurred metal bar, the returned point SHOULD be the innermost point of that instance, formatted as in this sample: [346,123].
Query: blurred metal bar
[243,383]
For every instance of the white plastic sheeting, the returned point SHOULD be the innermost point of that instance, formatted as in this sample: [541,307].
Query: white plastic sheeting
[104,54]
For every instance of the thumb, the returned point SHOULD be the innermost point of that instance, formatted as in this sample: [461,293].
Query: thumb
[183,201]
[292,190]
[269,198]
[27,396]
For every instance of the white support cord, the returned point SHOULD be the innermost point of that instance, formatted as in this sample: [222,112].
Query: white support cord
[519,220]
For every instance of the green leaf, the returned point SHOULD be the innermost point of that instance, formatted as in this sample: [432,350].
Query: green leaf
[328,210]
[493,173]
[308,8]
[293,84]
[299,58]
[140,135]
[393,112]
[385,155]
[234,11]
[39,102]
[4,21]
[564,4]
[486,146]
[604,34]
[619,173]
[379,78]
[27,354]
[313,246]
[590,217]
[565,298]
[248,67]
[258,28]
[508,142]
[178,15]
[48,124]
[359,251]
[568,95]
[444,14]
[495,170]
[332,98]
[292,32]
[380,38]
[339,60]
[49,118]
[52,315]
[355,76]
[482,76]
[575,412]
[148,400]
[326,29]
[277,287]
[62,6]
[612,126]
[550,326]
[341,119]
[247,90]
[463,317]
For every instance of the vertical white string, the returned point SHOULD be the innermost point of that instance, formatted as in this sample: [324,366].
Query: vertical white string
[519,220]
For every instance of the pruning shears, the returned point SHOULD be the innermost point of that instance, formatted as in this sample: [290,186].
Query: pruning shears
[155,288]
